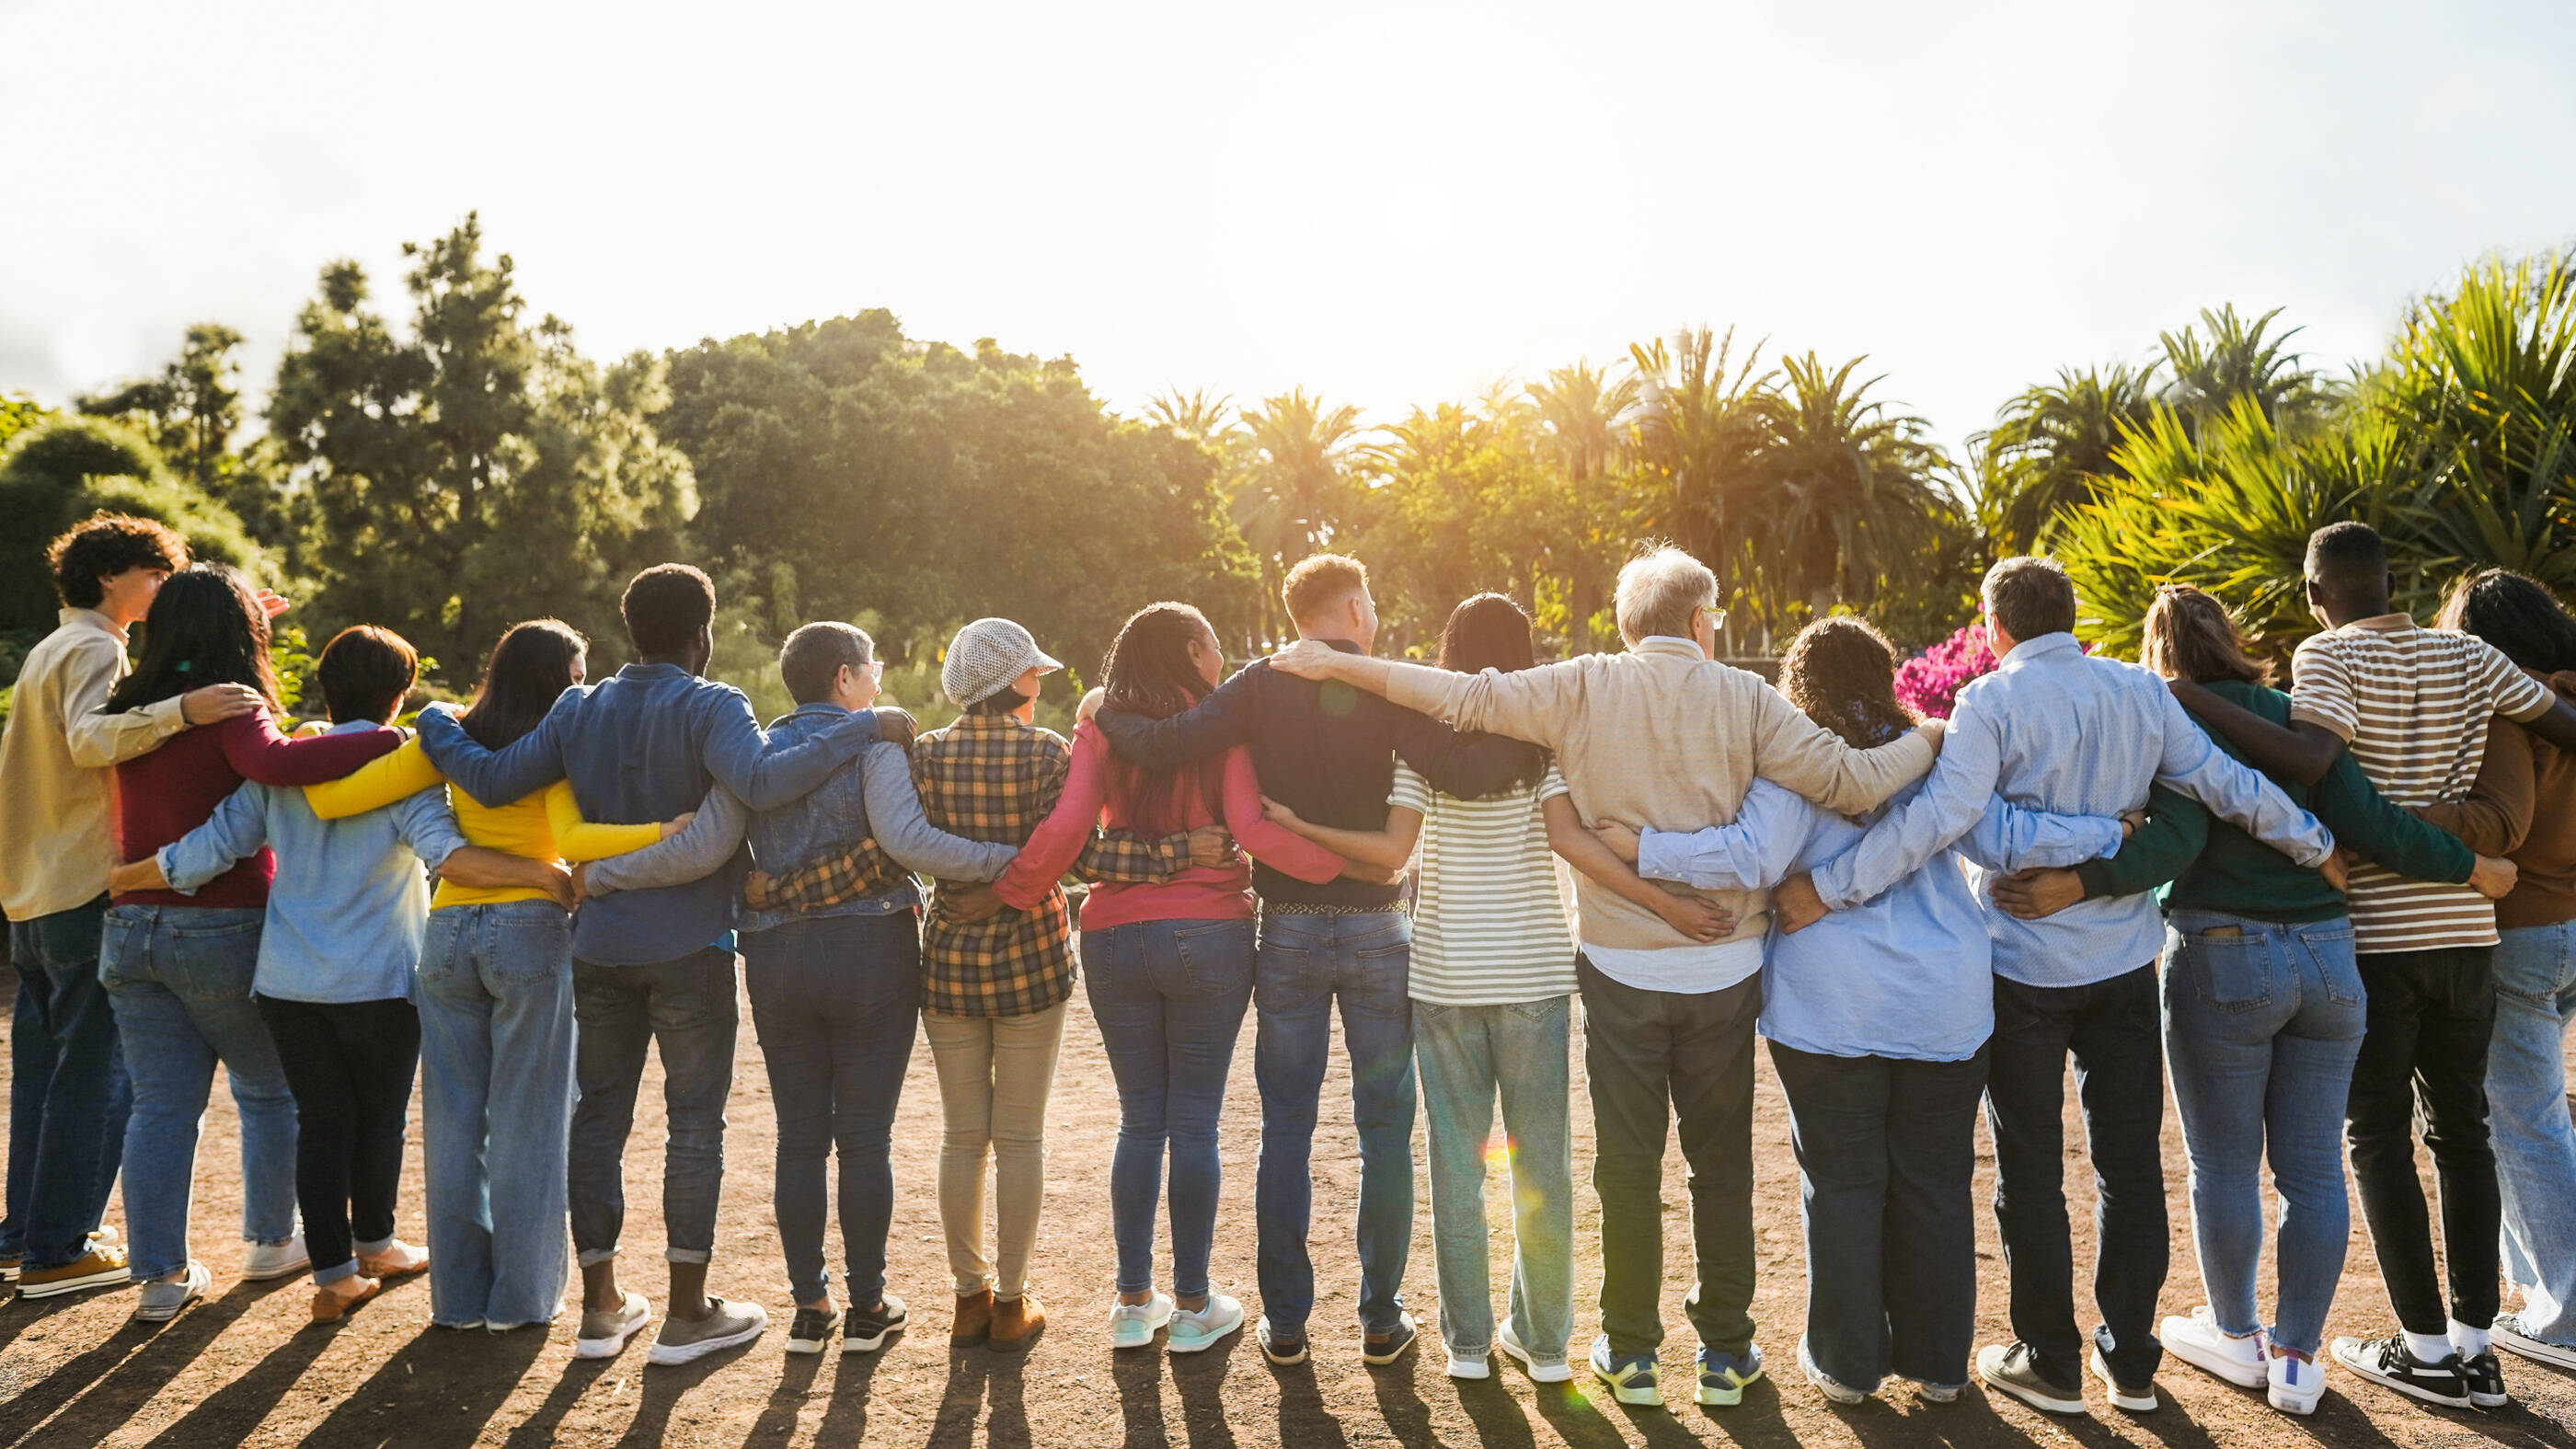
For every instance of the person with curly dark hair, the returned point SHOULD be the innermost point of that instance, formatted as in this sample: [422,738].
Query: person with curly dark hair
[1878,1019]
[67,1087]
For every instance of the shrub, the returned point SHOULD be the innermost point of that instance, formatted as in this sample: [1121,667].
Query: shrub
[1929,683]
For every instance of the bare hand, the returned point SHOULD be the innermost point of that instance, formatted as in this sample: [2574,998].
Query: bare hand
[2494,878]
[137,875]
[1279,814]
[1701,919]
[559,885]
[965,904]
[1090,705]
[1211,847]
[1623,842]
[2131,822]
[755,889]
[1797,904]
[273,603]
[219,702]
[677,823]
[2337,873]
[2030,894]
[896,726]
[1370,873]
[1306,659]
[581,883]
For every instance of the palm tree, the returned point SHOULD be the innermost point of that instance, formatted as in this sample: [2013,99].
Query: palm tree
[2051,446]
[1584,417]
[1295,488]
[2238,361]
[1850,507]
[1700,433]
[1194,415]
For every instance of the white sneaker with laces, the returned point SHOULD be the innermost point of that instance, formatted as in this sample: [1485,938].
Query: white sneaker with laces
[1133,1325]
[1557,1372]
[268,1261]
[1834,1390]
[1469,1365]
[2198,1340]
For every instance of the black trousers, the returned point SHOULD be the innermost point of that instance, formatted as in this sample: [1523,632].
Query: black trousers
[350,1066]
[1886,1149]
[2113,1029]
[2424,1061]
[1653,1057]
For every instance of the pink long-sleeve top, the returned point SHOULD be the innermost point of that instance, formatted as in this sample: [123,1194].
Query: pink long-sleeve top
[1201,893]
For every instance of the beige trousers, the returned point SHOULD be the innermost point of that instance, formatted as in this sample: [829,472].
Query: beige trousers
[995,1073]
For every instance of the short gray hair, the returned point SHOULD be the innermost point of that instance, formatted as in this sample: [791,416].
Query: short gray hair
[814,656]
[1659,589]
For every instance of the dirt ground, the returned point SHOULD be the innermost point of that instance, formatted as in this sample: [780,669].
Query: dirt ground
[244,1368]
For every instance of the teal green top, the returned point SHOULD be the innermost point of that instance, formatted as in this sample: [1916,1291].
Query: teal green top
[2193,861]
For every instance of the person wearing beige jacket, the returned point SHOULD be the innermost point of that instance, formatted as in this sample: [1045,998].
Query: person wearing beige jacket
[1661,736]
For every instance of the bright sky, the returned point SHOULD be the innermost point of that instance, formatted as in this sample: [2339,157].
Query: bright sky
[1391,203]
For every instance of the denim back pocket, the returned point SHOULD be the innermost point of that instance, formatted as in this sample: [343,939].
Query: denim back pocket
[2232,967]
[529,945]
[123,941]
[213,960]
[1216,958]
[2329,945]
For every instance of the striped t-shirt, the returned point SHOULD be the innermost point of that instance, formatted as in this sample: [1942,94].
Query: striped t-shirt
[2415,704]
[1489,927]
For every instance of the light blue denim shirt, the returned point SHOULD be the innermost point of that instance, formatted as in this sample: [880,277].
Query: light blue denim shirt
[1906,974]
[350,902]
[2055,729]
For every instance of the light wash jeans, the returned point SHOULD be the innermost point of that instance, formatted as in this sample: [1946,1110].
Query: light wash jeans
[1467,1054]
[496,1099]
[2263,1022]
[179,979]
[2535,1146]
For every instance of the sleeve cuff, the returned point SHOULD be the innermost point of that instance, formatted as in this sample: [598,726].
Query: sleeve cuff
[2301,714]
[1653,855]
[168,716]
[2095,875]
[163,857]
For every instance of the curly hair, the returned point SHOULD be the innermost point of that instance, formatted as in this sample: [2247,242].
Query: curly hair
[105,545]
[1842,672]
[2190,635]
[2522,619]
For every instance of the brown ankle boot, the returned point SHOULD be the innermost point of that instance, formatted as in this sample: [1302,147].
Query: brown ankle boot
[1016,1322]
[974,1317]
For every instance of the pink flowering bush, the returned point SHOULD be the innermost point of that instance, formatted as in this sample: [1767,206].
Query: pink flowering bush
[1929,683]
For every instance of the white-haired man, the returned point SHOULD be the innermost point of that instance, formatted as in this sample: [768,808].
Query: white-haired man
[1661,736]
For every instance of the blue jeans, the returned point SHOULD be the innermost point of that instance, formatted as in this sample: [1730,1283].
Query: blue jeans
[496,1098]
[1467,1055]
[1169,997]
[179,978]
[68,1096]
[1307,963]
[1887,1148]
[2535,1147]
[835,1001]
[2263,1022]
[686,1007]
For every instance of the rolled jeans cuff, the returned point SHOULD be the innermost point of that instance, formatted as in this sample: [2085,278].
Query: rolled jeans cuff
[699,1256]
[334,1273]
[593,1257]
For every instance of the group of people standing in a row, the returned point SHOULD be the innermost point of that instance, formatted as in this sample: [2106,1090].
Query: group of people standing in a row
[1918,920]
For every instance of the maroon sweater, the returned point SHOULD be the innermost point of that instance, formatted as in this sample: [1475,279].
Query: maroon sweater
[171,791]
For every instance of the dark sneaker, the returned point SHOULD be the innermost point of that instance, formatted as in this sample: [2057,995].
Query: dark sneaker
[867,1332]
[1631,1377]
[2511,1334]
[1280,1346]
[2484,1374]
[1380,1349]
[1722,1377]
[812,1328]
[2387,1363]
[2131,1398]
[2013,1368]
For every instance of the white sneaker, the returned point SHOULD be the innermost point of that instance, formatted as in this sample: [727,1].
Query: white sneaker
[1555,1372]
[1133,1325]
[1833,1389]
[276,1260]
[1469,1366]
[604,1331]
[727,1325]
[1204,1327]
[2296,1386]
[162,1300]
[2198,1340]
[2510,1334]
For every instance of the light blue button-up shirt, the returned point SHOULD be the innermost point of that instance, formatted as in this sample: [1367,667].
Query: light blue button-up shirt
[2058,730]
[350,902]
[1907,974]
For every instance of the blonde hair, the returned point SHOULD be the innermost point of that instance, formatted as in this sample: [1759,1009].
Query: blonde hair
[1659,589]
[2190,635]
[1318,582]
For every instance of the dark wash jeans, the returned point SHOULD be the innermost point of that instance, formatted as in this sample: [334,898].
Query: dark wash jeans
[686,1007]
[1886,1148]
[1169,997]
[68,1095]
[2115,1031]
[349,1064]
[2432,1016]
[1643,1050]
[1308,962]
[835,1002]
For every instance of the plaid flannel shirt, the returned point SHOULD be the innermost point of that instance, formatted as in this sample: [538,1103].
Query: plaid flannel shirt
[990,778]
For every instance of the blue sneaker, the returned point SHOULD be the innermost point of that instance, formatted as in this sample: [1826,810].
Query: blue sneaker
[1722,1378]
[1631,1378]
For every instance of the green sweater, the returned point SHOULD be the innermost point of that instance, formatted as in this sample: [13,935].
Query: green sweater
[2197,863]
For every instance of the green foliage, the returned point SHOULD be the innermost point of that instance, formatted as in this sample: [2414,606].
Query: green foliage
[192,411]
[19,413]
[63,470]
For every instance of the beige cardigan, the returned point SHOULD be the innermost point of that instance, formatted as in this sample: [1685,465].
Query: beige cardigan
[1662,736]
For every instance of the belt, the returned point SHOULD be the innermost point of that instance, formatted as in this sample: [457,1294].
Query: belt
[1317,908]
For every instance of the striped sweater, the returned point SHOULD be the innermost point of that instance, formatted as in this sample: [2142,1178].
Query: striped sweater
[1489,927]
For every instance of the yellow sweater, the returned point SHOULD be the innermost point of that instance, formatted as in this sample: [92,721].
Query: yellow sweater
[546,825]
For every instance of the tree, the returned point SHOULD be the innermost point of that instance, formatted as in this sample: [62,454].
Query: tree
[478,471]
[2048,447]
[61,471]
[192,412]
[1295,488]
[1851,510]
[1700,434]
[1587,420]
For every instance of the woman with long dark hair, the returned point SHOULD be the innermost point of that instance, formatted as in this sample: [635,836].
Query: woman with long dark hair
[1168,967]
[495,987]
[179,968]
[2535,966]
[2265,1012]
[1492,984]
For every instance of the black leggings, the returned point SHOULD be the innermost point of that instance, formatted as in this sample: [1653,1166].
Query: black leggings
[350,1066]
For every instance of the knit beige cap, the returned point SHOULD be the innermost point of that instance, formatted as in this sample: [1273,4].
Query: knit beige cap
[986,657]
